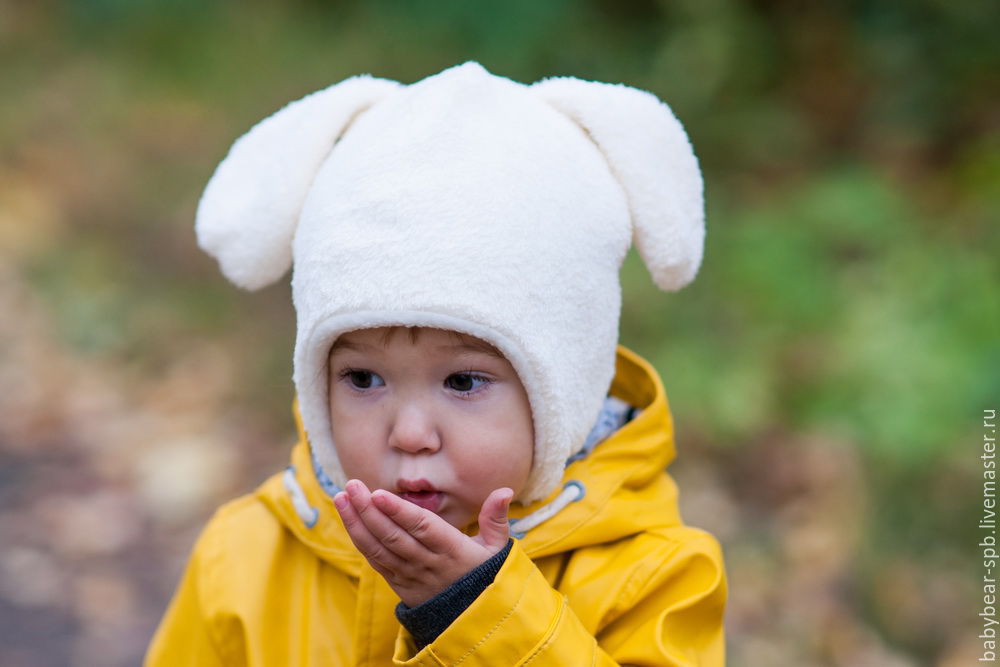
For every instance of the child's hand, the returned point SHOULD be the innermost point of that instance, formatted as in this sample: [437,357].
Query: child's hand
[417,552]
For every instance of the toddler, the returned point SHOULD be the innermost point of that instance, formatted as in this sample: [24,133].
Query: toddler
[480,472]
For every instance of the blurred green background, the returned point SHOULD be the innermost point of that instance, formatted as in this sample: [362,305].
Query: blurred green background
[827,370]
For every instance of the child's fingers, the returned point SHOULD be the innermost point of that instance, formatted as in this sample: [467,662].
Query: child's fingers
[369,545]
[494,528]
[389,533]
[425,527]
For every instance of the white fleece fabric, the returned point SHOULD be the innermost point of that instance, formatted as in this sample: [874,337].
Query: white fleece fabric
[469,202]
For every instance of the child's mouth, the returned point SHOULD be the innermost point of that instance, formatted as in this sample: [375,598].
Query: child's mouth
[429,500]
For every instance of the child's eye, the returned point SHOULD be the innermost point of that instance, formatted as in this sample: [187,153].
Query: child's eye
[362,379]
[466,383]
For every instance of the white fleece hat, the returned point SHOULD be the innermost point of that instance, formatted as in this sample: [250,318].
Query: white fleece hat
[469,202]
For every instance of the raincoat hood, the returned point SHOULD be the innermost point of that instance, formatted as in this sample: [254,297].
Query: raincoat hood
[624,490]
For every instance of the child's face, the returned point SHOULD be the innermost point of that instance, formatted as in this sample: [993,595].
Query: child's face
[434,416]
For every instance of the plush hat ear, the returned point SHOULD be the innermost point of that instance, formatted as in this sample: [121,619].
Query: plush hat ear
[650,155]
[247,215]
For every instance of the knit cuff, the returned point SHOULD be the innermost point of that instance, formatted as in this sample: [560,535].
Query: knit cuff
[430,618]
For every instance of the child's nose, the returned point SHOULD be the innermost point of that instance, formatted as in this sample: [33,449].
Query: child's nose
[414,430]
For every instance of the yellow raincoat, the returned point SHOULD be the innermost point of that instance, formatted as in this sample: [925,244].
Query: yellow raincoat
[613,578]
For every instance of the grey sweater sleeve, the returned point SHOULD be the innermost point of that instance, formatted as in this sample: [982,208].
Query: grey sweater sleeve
[430,618]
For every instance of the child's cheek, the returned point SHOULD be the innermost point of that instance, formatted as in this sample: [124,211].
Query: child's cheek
[497,467]
[354,438]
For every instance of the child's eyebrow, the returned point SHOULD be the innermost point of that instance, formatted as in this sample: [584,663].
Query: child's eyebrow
[341,344]
[482,348]
[465,346]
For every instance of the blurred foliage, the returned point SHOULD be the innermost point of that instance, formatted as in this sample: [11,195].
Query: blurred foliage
[827,369]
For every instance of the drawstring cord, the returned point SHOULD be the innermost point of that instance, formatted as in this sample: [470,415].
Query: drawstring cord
[306,512]
[571,492]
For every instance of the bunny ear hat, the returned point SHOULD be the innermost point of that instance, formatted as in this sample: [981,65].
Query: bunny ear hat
[469,202]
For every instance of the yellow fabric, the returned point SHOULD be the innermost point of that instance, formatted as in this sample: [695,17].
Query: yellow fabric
[614,578]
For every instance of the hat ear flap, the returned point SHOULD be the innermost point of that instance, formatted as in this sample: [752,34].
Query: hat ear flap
[247,215]
[650,155]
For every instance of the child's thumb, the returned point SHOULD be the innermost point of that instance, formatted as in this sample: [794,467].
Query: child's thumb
[493,527]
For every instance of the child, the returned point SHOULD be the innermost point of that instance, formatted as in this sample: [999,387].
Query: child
[479,476]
